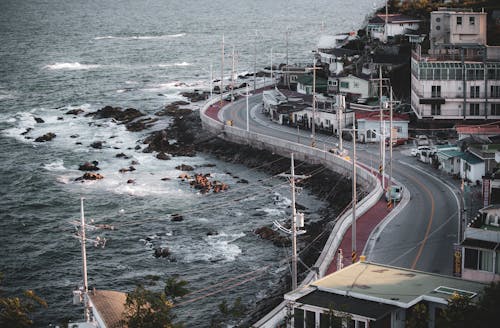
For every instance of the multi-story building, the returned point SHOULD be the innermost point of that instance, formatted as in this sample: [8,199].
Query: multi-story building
[459,78]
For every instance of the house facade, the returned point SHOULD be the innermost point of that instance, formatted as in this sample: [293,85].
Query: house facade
[481,246]
[368,125]
[305,85]
[459,78]
[397,24]
[373,295]
[356,87]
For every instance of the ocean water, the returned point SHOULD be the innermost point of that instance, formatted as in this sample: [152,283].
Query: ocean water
[60,55]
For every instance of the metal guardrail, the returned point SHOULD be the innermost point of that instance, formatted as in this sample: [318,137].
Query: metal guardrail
[311,155]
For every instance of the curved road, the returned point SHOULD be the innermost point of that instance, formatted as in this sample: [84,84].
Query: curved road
[421,235]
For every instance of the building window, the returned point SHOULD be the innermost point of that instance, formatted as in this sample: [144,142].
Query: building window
[327,122]
[495,111]
[472,20]
[298,318]
[474,92]
[474,109]
[438,19]
[310,319]
[436,91]
[497,266]
[478,260]
[459,20]
[495,91]
[344,85]
[435,109]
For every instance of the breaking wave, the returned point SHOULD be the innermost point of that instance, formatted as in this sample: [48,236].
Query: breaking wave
[70,66]
[141,37]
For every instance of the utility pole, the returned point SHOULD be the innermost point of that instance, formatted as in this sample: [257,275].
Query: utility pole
[84,263]
[381,114]
[354,197]
[386,21]
[340,107]
[390,138]
[255,62]
[272,78]
[295,224]
[248,115]
[222,72]
[211,81]
[287,70]
[313,126]
[232,77]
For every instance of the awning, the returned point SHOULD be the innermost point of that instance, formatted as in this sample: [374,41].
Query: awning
[476,243]
[367,309]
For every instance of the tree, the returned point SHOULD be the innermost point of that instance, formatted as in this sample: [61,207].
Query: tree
[488,305]
[149,309]
[175,288]
[418,316]
[459,313]
[15,311]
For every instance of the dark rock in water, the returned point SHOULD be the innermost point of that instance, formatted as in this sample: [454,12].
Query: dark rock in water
[129,169]
[140,125]
[96,145]
[184,167]
[300,207]
[163,156]
[39,120]
[73,136]
[160,141]
[174,110]
[207,165]
[115,147]
[27,131]
[165,179]
[60,118]
[125,116]
[162,252]
[74,111]
[137,147]
[78,143]
[122,155]
[130,181]
[89,166]
[134,162]
[176,218]
[269,234]
[46,137]
[196,95]
[242,181]
[212,233]
[90,176]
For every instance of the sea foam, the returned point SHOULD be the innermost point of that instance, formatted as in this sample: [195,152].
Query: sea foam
[70,66]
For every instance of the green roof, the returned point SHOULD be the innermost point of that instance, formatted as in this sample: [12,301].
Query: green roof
[471,158]
[308,80]
[450,153]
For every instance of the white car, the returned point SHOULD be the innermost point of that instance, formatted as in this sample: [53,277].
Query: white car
[394,193]
[419,149]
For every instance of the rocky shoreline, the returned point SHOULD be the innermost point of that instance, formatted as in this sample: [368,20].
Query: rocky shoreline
[326,185]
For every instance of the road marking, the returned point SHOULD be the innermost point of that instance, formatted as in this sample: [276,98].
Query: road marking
[429,224]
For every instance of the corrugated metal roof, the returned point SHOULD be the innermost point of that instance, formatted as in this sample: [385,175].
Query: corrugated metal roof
[471,158]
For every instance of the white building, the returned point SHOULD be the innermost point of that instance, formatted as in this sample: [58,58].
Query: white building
[356,87]
[472,168]
[397,24]
[460,77]
[480,253]
[369,126]
[374,295]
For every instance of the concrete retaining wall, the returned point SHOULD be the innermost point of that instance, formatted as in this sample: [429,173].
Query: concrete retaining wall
[314,156]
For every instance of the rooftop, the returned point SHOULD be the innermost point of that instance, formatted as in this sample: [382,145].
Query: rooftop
[375,116]
[478,129]
[393,19]
[110,305]
[395,286]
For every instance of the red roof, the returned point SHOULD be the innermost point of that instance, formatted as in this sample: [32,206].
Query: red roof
[481,129]
[375,116]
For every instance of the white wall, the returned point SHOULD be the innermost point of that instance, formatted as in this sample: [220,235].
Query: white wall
[356,85]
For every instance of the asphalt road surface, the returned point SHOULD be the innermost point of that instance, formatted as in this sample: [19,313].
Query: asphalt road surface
[422,234]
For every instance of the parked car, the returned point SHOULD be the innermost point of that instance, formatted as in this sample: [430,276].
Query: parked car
[396,142]
[419,149]
[394,193]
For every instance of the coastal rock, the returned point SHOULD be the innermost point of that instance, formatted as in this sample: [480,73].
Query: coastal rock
[27,131]
[124,116]
[176,218]
[89,166]
[184,176]
[269,234]
[90,176]
[165,179]
[184,167]
[46,137]
[141,124]
[196,95]
[162,252]
[163,156]
[39,120]
[74,136]
[129,169]
[77,111]
[122,155]
[242,181]
[173,109]
[96,145]
[129,181]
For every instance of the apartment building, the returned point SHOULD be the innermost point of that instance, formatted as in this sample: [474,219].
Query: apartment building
[459,77]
